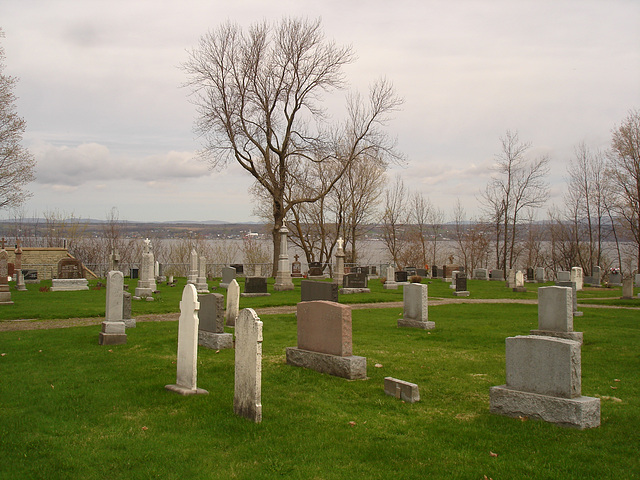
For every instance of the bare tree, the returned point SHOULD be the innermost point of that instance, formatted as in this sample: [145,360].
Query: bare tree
[16,162]
[258,94]
[519,185]
[624,163]
[395,219]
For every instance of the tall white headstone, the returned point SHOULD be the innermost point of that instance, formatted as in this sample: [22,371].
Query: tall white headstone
[283,276]
[147,282]
[187,363]
[201,280]
[339,275]
[113,327]
[193,267]
[577,277]
[247,398]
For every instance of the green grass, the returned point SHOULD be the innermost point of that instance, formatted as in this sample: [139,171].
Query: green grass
[74,409]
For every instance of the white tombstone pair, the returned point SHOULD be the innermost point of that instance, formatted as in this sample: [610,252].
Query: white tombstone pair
[390,283]
[577,277]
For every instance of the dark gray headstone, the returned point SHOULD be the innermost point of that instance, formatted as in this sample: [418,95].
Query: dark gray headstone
[434,271]
[239,268]
[355,280]
[30,275]
[126,305]
[311,290]
[372,270]
[461,283]
[211,313]
[133,272]
[255,285]
[402,276]
[421,272]
[70,268]
[615,279]
[411,271]
[364,270]
[530,274]
[315,269]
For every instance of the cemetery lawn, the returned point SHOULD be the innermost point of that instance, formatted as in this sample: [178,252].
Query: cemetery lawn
[35,304]
[74,409]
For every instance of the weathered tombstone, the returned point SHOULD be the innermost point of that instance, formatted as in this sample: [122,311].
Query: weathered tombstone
[129,322]
[461,286]
[511,278]
[283,275]
[355,283]
[233,303]
[530,275]
[627,287]
[193,267]
[519,282]
[247,396]
[30,276]
[147,283]
[401,276]
[211,322]
[161,276]
[113,327]
[201,280]
[576,276]
[325,341]
[405,391]
[597,274]
[20,286]
[315,269]
[311,290]
[454,275]
[114,260]
[416,307]
[572,285]
[255,287]
[296,267]
[637,279]
[497,275]
[5,293]
[187,361]
[411,271]
[228,274]
[390,283]
[615,279]
[540,276]
[564,276]
[544,382]
[70,276]
[480,274]
[555,313]
[422,272]
[339,273]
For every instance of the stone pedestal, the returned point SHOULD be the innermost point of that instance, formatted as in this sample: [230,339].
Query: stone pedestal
[215,341]
[283,276]
[351,367]
[69,284]
[113,333]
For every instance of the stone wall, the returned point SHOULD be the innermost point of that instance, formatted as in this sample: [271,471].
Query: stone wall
[44,260]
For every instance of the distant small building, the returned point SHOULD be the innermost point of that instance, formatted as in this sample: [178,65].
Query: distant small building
[43,260]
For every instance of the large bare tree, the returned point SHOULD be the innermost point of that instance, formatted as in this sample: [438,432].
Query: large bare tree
[625,172]
[16,162]
[259,98]
[519,184]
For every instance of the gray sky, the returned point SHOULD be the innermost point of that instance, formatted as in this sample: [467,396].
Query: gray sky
[110,125]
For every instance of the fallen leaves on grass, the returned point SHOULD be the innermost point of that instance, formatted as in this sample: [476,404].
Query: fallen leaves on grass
[52,386]
[378,365]
[493,454]
[2,354]
[145,428]
[352,423]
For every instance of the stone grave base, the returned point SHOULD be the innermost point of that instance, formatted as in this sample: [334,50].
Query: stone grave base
[129,322]
[186,391]
[283,287]
[578,314]
[406,322]
[161,279]
[112,334]
[5,297]
[255,294]
[351,367]
[316,277]
[520,289]
[215,341]
[580,412]
[464,293]
[390,286]
[405,391]
[69,284]
[349,291]
[143,292]
[576,336]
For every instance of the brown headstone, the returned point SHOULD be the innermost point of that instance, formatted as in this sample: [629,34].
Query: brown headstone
[70,268]
[324,327]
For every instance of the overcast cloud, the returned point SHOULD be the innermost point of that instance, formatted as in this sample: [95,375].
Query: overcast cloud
[110,125]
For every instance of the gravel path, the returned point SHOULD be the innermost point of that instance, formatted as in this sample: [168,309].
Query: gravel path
[30,324]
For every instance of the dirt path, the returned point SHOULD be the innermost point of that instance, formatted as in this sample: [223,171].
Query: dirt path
[30,324]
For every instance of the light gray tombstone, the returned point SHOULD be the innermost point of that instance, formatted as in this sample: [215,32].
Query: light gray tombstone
[233,303]
[405,391]
[115,288]
[390,283]
[454,276]
[247,397]
[577,277]
[555,313]
[572,285]
[637,279]
[187,361]
[597,275]
[416,307]
[339,273]
[211,322]
[228,274]
[147,282]
[481,274]
[564,276]
[497,275]
[113,327]
[129,322]
[544,382]
[193,267]
[201,280]
[511,278]
[627,287]
[540,277]
[283,275]
[5,293]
